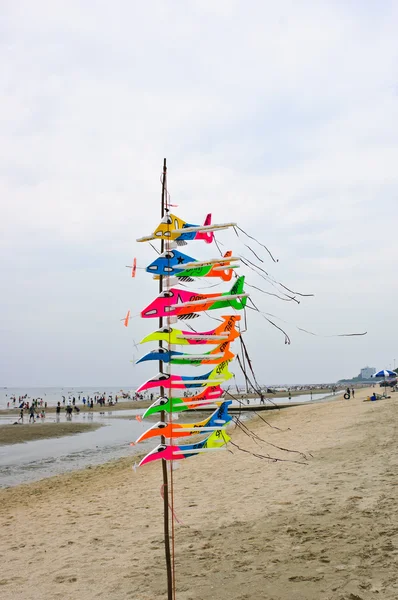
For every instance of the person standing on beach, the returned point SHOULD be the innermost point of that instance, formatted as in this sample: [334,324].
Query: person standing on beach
[21,416]
[32,413]
[353,393]
[58,411]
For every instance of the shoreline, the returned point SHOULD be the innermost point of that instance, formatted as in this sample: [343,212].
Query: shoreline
[143,404]
[16,433]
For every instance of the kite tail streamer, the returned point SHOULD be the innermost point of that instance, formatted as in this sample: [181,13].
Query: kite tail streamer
[249,362]
[287,338]
[275,260]
[255,437]
[287,299]
[335,335]
[265,315]
[267,456]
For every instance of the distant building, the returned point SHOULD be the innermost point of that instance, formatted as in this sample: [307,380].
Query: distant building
[367,372]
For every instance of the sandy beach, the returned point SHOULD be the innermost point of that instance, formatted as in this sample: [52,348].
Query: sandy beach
[251,529]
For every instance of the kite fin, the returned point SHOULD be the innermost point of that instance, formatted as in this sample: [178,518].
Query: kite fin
[207,236]
[221,371]
[223,348]
[217,439]
[229,326]
[237,288]
[227,274]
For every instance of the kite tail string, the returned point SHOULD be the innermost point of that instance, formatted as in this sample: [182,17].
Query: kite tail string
[250,364]
[267,457]
[287,338]
[269,279]
[171,510]
[156,250]
[217,244]
[287,299]
[275,260]
[300,328]
[256,413]
[258,389]
[256,437]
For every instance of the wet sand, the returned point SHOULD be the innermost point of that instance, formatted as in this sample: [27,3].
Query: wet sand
[251,529]
[26,432]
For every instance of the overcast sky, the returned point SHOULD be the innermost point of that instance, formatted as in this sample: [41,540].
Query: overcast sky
[281,116]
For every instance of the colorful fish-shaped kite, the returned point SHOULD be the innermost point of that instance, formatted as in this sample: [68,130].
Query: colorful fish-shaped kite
[226,332]
[216,441]
[182,303]
[216,421]
[175,263]
[166,263]
[177,382]
[172,405]
[175,229]
[214,357]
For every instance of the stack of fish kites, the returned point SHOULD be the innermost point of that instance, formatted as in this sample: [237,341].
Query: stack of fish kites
[175,304]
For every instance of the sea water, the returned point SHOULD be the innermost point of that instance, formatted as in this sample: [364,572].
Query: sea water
[34,460]
[52,395]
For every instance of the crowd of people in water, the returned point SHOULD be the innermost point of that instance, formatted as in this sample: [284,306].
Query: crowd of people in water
[36,407]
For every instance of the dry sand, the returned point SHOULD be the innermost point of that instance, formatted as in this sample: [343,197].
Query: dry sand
[26,432]
[251,529]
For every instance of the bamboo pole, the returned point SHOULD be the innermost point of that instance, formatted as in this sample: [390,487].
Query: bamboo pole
[163,419]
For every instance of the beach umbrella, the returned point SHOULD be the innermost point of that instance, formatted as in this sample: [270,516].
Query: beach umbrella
[385,373]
